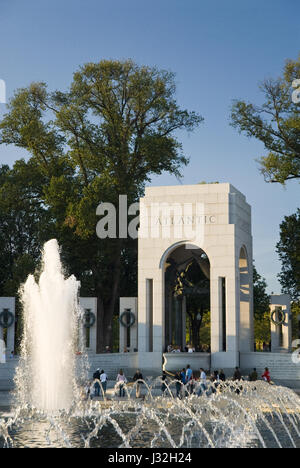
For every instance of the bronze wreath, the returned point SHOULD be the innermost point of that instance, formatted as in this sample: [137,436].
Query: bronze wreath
[281,320]
[7,318]
[89,318]
[127,314]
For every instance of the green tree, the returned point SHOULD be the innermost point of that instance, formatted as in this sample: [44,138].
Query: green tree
[261,298]
[24,226]
[295,308]
[107,135]
[262,326]
[288,249]
[276,123]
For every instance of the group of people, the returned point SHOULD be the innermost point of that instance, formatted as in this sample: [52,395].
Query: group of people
[253,377]
[121,381]
[98,386]
[186,381]
[187,349]
[266,376]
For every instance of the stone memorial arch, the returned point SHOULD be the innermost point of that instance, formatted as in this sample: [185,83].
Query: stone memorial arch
[211,224]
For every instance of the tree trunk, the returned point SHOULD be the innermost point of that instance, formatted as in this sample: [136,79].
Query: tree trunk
[105,310]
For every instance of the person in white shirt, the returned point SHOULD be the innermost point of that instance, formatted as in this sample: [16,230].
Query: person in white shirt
[103,380]
[203,386]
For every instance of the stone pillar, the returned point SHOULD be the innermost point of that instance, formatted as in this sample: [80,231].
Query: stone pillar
[142,327]
[245,303]
[2,352]
[281,334]
[126,304]
[221,358]
[184,323]
[233,319]
[158,314]
[216,313]
[1,329]
[90,303]
[9,304]
[149,314]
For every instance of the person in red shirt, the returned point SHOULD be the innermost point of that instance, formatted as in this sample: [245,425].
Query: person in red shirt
[266,375]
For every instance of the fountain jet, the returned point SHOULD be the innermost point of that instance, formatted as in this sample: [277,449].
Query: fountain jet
[46,377]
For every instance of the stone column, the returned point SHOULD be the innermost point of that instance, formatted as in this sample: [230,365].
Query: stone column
[8,303]
[184,323]
[275,345]
[149,315]
[158,331]
[281,334]
[228,358]
[233,320]
[91,304]
[128,303]
[216,313]
[150,360]
[2,348]
[245,304]
[142,328]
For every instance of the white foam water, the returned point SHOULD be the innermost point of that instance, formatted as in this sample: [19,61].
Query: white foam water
[46,375]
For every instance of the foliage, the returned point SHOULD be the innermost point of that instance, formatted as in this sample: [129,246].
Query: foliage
[276,123]
[295,322]
[262,330]
[288,249]
[205,335]
[261,298]
[106,136]
[262,325]
[24,224]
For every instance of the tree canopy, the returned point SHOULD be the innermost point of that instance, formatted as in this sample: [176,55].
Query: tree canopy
[105,136]
[261,298]
[262,324]
[276,123]
[288,249]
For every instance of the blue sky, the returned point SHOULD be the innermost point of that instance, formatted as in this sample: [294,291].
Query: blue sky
[220,50]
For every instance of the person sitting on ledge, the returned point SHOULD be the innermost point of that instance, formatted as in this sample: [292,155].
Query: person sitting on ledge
[237,374]
[253,377]
[266,375]
[222,376]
